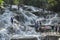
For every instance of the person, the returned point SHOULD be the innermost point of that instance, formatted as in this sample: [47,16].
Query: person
[40,24]
[11,20]
[36,26]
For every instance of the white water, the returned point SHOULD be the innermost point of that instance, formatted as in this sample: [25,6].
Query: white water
[7,29]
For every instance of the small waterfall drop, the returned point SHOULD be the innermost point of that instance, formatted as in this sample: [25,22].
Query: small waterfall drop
[26,17]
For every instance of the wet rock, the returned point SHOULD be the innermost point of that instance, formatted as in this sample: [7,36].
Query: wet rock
[17,17]
[11,30]
[36,13]
[24,38]
[1,11]
[23,28]
[14,8]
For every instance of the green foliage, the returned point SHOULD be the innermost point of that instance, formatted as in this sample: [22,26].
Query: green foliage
[54,5]
[1,3]
[38,3]
[52,2]
[16,2]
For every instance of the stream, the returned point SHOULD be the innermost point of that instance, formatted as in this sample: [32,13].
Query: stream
[27,16]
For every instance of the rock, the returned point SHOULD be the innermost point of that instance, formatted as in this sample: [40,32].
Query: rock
[23,38]
[14,8]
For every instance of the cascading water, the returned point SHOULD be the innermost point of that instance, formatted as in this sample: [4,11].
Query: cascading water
[28,16]
[7,29]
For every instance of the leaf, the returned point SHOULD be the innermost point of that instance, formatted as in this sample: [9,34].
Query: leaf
[16,2]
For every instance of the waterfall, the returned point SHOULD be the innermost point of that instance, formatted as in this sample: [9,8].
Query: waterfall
[26,17]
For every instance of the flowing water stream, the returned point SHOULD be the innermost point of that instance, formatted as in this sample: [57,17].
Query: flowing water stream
[26,17]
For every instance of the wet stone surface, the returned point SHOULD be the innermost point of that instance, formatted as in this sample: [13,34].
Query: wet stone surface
[25,39]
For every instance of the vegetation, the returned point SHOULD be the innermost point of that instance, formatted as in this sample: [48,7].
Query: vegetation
[1,3]
[49,4]
[54,5]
